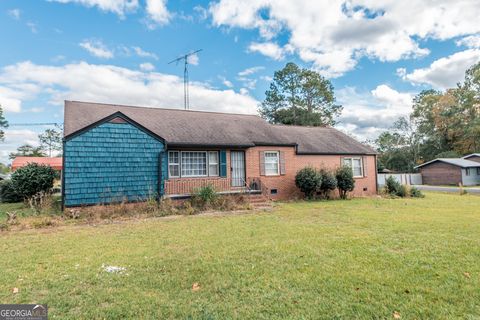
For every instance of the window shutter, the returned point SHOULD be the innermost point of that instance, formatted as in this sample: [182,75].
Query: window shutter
[223,163]
[364,162]
[282,162]
[167,162]
[262,163]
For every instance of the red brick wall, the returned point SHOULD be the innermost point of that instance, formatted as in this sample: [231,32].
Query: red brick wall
[440,173]
[285,184]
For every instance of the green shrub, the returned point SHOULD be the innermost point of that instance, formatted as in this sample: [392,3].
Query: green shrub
[402,192]
[329,183]
[8,193]
[309,181]
[204,197]
[392,187]
[345,181]
[415,193]
[32,179]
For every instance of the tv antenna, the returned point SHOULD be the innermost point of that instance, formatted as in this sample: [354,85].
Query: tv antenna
[186,99]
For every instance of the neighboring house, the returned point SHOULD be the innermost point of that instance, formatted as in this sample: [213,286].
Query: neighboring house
[473,157]
[450,171]
[54,162]
[114,153]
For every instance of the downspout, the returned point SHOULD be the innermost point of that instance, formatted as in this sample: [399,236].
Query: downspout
[160,176]
[63,175]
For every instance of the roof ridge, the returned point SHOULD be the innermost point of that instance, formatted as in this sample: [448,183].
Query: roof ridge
[160,108]
[299,126]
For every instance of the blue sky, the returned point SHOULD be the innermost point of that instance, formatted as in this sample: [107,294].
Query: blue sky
[378,54]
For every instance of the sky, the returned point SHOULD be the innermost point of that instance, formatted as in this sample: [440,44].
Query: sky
[378,54]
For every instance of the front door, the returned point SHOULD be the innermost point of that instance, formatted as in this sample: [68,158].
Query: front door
[237,169]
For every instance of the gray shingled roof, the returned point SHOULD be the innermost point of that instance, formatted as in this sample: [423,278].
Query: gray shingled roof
[471,155]
[459,162]
[198,128]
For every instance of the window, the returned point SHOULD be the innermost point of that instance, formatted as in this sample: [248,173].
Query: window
[271,163]
[356,165]
[213,163]
[194,164]
[478,171]
[467,171]
[173,164]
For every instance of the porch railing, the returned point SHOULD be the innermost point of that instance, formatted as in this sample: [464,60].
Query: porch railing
[187,186]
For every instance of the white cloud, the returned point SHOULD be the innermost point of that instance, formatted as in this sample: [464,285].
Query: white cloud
[14,138]
[472,41]
[367,114]
[227,83]
[445,72]
[250,71]
[97,48]
[112,84]
[119,7]
[32,26]
[194,59]
[157,13]
[144,54]
[268,49]
[15,13]
[334,35]
[147,66]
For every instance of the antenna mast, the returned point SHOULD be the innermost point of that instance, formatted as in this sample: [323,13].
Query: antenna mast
[186,98]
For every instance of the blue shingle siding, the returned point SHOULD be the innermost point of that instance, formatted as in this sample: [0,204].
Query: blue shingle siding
[110,163]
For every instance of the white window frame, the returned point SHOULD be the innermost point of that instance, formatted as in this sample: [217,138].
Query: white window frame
[478,171]
[217,164]
[265,163]
[180,163]
[350,159]
[193,175]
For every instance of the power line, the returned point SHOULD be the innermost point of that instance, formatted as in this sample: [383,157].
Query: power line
[35,124]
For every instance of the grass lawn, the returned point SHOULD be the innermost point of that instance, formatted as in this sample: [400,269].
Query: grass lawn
[362,259]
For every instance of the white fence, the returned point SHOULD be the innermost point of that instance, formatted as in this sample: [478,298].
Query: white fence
[403,178]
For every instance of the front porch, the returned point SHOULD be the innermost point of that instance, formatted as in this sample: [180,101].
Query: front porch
[185,187]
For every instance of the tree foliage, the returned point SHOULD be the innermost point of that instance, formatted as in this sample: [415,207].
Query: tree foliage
[300,97]
[3,124]
[27,150]
[442,124]
[50,141]
[32,179]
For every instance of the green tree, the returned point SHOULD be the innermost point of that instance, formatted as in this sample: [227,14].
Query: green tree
[50,140]
[27,150]
[3,124]
[300,97]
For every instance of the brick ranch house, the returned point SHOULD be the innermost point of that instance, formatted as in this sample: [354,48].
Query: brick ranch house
[113,153]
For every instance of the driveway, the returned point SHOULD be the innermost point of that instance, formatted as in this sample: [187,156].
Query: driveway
[473,190]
